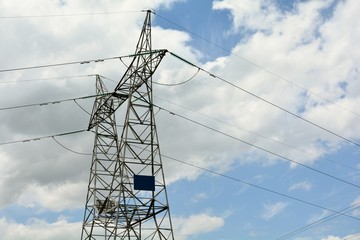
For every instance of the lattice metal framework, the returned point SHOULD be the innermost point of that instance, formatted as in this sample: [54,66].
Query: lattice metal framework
[127,196]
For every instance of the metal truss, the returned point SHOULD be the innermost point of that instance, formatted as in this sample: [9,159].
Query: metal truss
[127,196]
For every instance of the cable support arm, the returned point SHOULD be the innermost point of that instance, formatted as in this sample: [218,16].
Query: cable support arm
[140,71]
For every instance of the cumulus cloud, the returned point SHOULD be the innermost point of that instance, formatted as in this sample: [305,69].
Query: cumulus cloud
[285,49]
[258,14]
[184,227]
[196,224]
[352,237]
[331,238]
[39,229]
[309,56]
[54,197]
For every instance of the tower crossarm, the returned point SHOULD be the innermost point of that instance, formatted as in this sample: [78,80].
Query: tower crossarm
[140,70]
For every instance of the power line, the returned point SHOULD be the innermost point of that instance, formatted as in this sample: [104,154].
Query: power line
[256,134]
[352,236]
[180,83]
[68,15]
[51,103]
[45,79]
[73,99]
[72,63]
[237,180]
[63,146]
[264,100]
[43,137]
[256,65]
[261,188]
[92,96]
[320,221]
[82,108]
[261,148]
[192,33]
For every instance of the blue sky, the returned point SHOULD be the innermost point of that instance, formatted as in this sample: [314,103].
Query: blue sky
[300,55]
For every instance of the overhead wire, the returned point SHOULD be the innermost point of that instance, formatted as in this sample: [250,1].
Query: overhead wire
[92,96]
[260,148]
[68,15]
[257,134]
[73,151]
[82,107]
[199,36]
[256,65]
[352,236]
[45,79]
[53,136]
[68,63]
[320,221]
[265,100]
[261,188]
[43,137]
[179,83]
[336,213]
[236,180]
[51,102]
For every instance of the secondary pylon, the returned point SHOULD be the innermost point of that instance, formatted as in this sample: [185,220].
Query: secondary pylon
[127,196]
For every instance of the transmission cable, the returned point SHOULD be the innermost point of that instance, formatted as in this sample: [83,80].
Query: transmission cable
[261,188]
[256,65]
[82,107]
[43,137]
[52,102]
[62,145]
[320,221]
[68,15]
[256,134]
[71,63]
[241,181]
[260,148]
[91,96]
[45,79]
[180,83]
[264,100]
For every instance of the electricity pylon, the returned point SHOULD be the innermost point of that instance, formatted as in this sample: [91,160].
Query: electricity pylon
[127,196]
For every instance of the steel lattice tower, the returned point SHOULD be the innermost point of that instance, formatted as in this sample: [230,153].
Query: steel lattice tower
[127,196]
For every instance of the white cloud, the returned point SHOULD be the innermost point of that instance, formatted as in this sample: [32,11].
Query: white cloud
[38,229]
[61,229]
[356,211]
[83,37]
[271,210]
[305,186]
[256,14]
[54,197]
[199,197]
[311,55]
[331,238]
[196,224]
[352,237]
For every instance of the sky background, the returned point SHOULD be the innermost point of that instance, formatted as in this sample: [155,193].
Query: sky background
[240,161]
